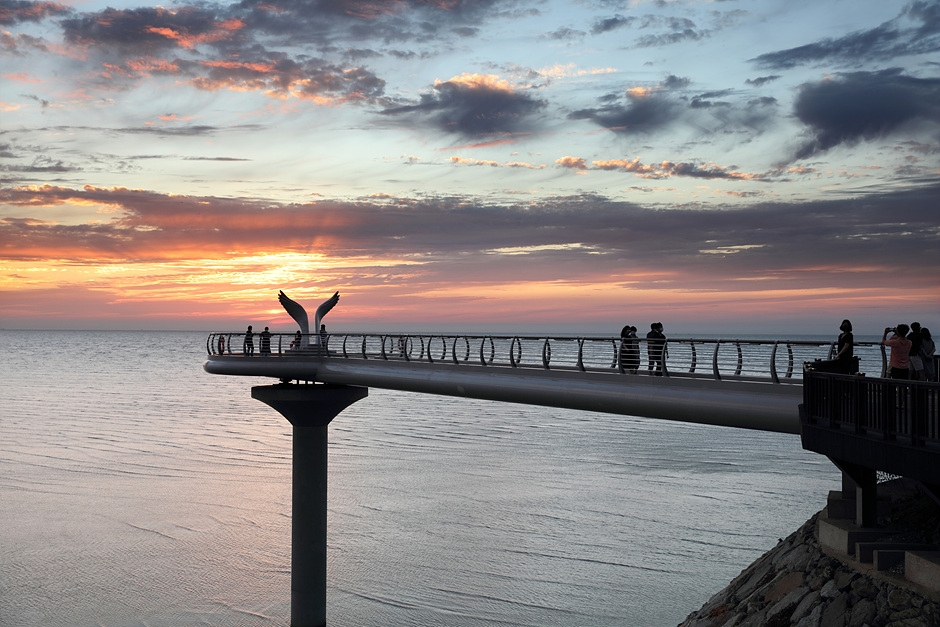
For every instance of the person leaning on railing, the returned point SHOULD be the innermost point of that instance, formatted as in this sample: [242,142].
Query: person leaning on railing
[899,362]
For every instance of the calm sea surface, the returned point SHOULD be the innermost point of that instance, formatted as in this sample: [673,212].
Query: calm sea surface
[135,489]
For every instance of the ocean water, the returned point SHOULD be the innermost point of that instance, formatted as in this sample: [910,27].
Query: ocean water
[137,490]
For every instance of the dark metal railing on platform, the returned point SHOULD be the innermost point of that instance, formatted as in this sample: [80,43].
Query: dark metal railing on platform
[777,361]
[883,409]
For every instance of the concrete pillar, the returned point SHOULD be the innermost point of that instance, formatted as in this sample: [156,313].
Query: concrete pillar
[866,498]
[865,482]
[309,408]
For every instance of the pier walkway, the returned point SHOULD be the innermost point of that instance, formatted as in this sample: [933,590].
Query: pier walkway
[745,383]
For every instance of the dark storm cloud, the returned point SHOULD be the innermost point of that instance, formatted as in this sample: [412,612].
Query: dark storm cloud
[325,21]
[915,31]
[18,44]
[677,29]
[143,30]
[865,106]
[473,106]
[16,11]
[671,30]
[760,81]
[676,82]
[605,25]
[40,165]
[272,72]
[236,47]
[195,130]
[41,101]
[770,237]
[645,111]
[565,33]
[214,52]
[707,99]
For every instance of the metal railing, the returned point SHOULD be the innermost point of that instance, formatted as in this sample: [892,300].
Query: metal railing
[883,409]
[777,361]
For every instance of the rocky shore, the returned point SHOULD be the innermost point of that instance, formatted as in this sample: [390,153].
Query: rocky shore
[802,583]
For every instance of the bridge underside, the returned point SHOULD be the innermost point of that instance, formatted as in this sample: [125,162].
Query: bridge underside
[891,456]
[742,404]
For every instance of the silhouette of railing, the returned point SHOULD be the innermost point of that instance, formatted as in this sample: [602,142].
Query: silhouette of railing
[777,361]
[885,409]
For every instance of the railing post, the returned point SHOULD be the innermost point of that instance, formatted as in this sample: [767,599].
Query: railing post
[773,365]
[715,362]
[918,412]
[861,407]
[663,358]
[833,401]
[889,407]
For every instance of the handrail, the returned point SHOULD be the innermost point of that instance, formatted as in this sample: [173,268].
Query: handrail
[752,359]
[886,409]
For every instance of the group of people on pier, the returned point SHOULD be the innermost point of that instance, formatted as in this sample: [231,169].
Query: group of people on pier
[912,352]
[655,349]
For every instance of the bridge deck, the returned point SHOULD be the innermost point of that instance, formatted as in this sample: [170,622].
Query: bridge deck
[752,384]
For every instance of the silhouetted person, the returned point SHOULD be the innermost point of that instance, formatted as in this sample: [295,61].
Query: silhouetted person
[899,360]
[221,344]
[916,363]
[629,350]
[927,350]
[249,348]
[265,341]
[296,343]
[656,348]
[845,347]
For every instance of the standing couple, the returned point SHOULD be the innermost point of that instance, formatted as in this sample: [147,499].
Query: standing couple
[655,349]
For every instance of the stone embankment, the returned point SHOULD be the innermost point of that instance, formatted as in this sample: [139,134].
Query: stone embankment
[891,579]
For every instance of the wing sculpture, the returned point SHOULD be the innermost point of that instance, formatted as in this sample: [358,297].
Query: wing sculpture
[297,312]
[324,309]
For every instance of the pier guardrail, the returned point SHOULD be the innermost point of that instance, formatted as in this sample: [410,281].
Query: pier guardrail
[886,409]
[777,361]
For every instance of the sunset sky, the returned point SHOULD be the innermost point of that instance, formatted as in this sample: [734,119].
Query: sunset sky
[722,166]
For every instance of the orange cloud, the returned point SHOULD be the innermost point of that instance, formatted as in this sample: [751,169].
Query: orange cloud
[489,82]
[574,163]
[21,77]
